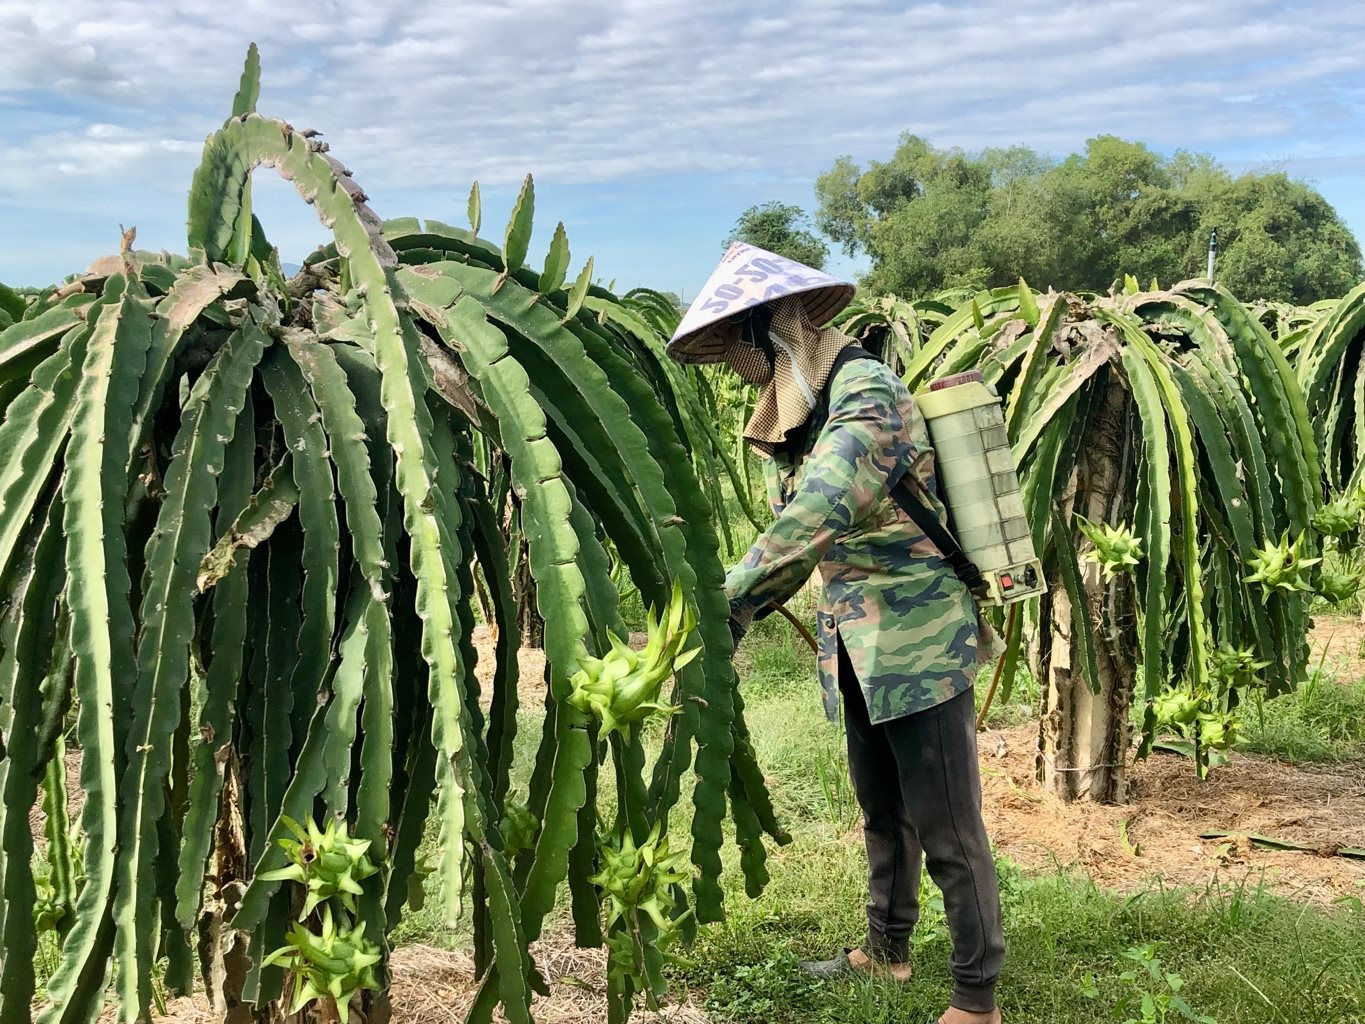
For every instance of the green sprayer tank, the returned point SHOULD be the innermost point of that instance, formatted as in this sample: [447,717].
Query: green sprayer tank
[980,485]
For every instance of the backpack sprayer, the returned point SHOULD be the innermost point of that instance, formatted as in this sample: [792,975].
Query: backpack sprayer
[980,485]
[990,536]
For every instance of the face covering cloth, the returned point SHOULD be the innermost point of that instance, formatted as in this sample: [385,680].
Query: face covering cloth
[802,357]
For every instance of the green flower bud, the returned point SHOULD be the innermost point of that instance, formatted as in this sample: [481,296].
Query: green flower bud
[1341,515]
[1235,668]
[518,827]
[1176,707]
[1282,566]
[336,963]
[1338,587]
[623,688]
[1116,549]
[328,862]
[1216,730]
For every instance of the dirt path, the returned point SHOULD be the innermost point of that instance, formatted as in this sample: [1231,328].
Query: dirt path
[1320,806]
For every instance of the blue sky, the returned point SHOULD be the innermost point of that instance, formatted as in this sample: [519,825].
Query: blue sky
[649,124]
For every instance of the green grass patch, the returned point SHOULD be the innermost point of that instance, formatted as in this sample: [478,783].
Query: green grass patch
[1323,720]
[1239,953]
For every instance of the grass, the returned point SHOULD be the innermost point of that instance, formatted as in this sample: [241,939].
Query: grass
[1323,720]
[1242,953]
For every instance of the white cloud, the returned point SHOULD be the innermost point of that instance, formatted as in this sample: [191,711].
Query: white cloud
[595,91]
[432,93]
[76,157]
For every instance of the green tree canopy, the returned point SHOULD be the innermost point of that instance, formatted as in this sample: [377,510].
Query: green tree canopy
[783,229]
[932,219]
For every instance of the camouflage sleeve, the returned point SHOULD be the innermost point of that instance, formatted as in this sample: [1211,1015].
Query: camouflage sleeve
[863,450]
[773,472]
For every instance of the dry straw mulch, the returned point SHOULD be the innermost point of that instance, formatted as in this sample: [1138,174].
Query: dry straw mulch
[436,986]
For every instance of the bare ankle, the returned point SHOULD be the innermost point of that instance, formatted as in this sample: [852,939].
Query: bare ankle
[955,1016]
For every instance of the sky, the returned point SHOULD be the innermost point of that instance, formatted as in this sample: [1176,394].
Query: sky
[649,126]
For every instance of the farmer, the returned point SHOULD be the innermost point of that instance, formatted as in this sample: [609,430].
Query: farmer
[899,634]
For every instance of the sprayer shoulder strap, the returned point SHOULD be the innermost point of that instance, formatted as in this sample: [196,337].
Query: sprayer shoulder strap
[922,515]
[910,499]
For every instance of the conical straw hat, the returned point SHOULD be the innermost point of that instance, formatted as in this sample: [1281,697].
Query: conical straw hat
[749,276]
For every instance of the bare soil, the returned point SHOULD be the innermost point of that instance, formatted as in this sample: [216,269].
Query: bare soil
[1322,806]
[1338,641]
[436,986]
[1168,810]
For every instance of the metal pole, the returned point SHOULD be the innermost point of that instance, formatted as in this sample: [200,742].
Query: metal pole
[1213,252]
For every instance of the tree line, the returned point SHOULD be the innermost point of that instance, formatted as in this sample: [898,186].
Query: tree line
[930,219]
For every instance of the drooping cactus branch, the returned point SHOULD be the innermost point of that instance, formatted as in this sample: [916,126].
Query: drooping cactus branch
[241,519]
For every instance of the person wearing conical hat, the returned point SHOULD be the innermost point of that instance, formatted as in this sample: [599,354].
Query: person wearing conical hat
[900,636]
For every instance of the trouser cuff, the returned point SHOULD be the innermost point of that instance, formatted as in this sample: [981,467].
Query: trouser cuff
[880,947]
[974,998]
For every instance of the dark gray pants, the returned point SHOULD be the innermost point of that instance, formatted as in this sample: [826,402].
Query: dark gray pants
[919,785]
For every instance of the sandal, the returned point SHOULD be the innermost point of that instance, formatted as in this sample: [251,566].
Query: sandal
[855,962]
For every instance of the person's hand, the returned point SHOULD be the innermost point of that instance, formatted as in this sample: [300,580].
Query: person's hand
[737,630]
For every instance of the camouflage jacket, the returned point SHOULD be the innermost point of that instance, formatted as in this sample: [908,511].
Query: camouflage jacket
[910,626]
